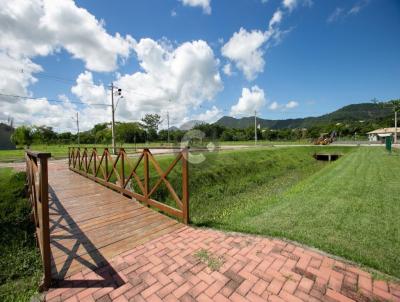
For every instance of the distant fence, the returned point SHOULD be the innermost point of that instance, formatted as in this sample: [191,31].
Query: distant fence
[103,168]
[38,193]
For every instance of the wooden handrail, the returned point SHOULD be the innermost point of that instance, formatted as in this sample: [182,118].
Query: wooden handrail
[102,168]
[38,194]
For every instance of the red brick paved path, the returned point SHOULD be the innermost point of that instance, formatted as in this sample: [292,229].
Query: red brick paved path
[253,269]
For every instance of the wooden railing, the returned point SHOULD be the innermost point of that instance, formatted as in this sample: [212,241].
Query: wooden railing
[38,194]
[103,168]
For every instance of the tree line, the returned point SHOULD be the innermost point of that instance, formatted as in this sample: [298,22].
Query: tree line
[147,130]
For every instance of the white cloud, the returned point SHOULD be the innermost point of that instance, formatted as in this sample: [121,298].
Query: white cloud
[204,4]
[16,74]
[209,116]
[358,7]
[290,4]
[341,13]
[173,79]
[87,91]
[251,99]
[173,13]
[273,106]
[39,112]
[283,107]
[38,28]
[276,18]
[227,69]
[244,48]
[336,14]
[291,104]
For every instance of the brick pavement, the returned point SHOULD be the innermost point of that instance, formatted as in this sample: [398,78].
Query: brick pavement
[233,267]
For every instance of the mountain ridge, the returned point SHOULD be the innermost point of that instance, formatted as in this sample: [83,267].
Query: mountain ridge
[349,113]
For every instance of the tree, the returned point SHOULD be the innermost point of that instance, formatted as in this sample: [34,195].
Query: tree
[22,136]
[130,133]
[43,134]
[150,123]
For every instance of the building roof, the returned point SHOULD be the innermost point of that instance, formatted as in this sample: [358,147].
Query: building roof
[384,131]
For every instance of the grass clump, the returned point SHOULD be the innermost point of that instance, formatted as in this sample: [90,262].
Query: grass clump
[214,263]
[20,266]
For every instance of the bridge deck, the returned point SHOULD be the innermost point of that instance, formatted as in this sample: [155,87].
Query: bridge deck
[90,224]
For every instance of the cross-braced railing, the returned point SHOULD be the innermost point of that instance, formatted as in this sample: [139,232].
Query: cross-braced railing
[38,193]
[117,173]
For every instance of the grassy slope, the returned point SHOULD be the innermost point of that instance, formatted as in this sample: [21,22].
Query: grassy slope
[229,182]
[350,208]
[20,266]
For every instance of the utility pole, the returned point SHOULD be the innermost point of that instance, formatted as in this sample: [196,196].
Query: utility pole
[113,108]
[77,125]
[113,119]
[168,126]
[395,126]
[255,127]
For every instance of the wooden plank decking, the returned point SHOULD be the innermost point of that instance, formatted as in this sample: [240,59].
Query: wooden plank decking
[90,224]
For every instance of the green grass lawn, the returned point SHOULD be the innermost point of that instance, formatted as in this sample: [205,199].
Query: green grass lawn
[350,207]
[61,150]
[20,266]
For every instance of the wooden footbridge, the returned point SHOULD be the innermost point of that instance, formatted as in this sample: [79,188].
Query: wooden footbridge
[100,205]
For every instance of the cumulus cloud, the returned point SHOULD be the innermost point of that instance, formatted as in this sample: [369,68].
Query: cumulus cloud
[87,91]
[204,4]
[273,106]
[227,69]
[173,79]
[251,99]
[283,107]
[38,28]
[209,116]
[244,48]
[43,27]
[291,104]
[39,112]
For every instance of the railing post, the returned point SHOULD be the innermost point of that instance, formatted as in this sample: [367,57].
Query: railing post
[105,153]
[45,228]
[69,156]
[122,156]
[79,158]
[185,185]
[86,163]
[94,152]
[146,175]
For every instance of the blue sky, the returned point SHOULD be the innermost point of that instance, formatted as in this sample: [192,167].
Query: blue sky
[328,53]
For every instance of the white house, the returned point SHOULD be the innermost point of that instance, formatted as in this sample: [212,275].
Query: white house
[380,134]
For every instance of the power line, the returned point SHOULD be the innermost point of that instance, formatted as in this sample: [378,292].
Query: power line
[64,80]
[51,100]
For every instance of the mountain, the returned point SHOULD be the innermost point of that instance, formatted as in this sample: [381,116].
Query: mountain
[190,124]
[173,128]
[350,113]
